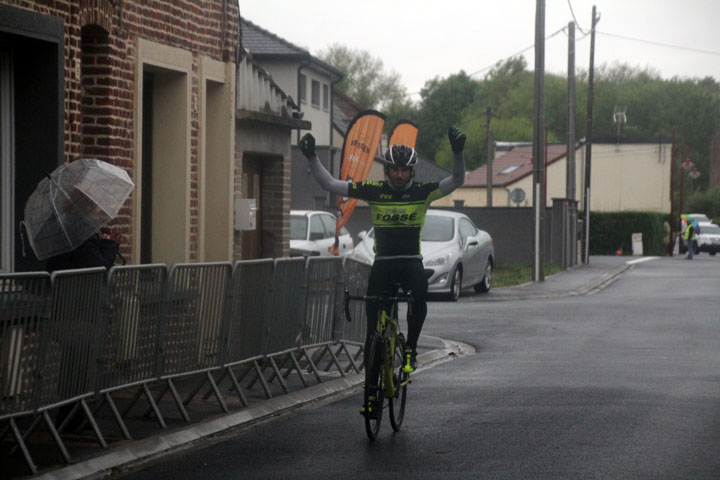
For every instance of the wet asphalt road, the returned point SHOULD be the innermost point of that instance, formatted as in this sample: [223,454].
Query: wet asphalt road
[620,384]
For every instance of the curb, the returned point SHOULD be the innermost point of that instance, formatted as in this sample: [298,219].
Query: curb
[602,282]
[140,452]
[591,287]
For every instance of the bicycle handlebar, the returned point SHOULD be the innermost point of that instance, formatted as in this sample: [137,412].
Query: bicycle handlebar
[401,297]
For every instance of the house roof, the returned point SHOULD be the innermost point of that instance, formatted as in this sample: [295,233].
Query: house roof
[511,166]
[429,171]
[344,110]
[262,44]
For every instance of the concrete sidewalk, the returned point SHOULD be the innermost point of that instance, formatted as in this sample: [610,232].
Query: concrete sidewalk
[579,280]
[124,455]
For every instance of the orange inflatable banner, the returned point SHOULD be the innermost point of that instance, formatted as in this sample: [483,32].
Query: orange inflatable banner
[404,133]
[359,148]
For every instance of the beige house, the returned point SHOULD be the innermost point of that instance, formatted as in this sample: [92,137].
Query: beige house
[624,177]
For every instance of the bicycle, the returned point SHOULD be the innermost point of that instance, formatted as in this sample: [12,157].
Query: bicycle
[384,374]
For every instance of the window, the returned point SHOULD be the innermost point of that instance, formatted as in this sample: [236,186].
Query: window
[458,203]
[317,229]
[302,89]
[326,97]
[315,99]
[467,229]
[298,227]
[329,222]
[438,229]
[6,165]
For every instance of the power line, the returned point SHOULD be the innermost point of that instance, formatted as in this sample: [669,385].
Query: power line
[564,30]
[560,30]
[574,18]
[506,58]
[660,44]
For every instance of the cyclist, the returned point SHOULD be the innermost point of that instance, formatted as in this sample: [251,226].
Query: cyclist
[398,207]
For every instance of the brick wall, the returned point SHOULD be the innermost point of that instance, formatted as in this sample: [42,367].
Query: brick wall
[100,61]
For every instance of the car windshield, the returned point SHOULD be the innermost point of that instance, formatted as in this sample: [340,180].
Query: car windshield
[698,217]
[712,229]
[298,227]
[438,229]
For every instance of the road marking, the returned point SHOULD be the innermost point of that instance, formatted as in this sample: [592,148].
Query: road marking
[640,260]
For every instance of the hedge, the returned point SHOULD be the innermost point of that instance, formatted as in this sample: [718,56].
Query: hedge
[612,230]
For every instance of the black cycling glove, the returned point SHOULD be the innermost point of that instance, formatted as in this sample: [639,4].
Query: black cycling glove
[457,139]
[307,146]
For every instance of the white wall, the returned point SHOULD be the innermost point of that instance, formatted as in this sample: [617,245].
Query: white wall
[286,76]
[623,178]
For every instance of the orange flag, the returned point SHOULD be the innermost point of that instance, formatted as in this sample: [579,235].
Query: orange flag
[361,143]
[404,133]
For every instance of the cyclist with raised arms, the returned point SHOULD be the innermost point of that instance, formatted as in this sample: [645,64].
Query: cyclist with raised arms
[398,207]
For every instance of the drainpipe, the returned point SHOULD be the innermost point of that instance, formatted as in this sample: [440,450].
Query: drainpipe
[508,196]
[331,155]
[332,116]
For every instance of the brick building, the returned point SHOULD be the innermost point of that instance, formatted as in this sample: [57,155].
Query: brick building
[149,86]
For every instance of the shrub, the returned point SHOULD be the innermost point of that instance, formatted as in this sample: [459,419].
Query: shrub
[707,202]
[612,230]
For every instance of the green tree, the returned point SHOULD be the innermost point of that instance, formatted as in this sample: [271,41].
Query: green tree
[442,105]
[365,79]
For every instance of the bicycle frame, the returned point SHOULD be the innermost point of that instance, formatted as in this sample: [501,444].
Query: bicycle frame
[383,377]
[387,329]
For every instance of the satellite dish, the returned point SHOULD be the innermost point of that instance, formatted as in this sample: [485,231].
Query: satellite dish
[517,195]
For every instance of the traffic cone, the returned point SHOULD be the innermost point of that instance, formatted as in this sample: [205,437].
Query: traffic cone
[618,252]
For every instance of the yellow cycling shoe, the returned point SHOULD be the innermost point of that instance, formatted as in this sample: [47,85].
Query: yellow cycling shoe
[410,361]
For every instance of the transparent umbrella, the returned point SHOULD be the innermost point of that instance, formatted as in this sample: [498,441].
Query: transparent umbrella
[72,203]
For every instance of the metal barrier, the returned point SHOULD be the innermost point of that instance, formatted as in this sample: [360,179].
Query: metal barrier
[287,306]
[250,296]
[355,276]
[23,328]
[74,340]
[76,334]
[196,296]
[135,324]
[323,275]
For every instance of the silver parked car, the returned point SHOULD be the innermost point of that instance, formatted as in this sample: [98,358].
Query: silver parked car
[312,232]
[454,250]
[708,240]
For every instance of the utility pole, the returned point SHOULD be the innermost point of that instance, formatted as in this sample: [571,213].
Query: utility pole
[570,238]
[671,247]
[570,170]
[588,143]
[488,114]
[539,142]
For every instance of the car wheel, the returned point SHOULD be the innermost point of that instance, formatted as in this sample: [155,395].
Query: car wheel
[456,285]
[713,253]
[486,282]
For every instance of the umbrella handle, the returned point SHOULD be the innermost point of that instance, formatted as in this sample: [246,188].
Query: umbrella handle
[22,237]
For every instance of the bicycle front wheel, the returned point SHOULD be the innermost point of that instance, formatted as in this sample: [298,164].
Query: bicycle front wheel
[400,379]
[373,389]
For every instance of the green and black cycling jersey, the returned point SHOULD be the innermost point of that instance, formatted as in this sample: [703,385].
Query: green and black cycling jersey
[397,216]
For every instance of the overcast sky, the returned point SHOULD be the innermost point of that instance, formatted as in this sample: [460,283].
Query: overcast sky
[421,39]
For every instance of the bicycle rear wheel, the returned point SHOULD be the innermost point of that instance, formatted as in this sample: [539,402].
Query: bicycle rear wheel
[400,378]
[373,388]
